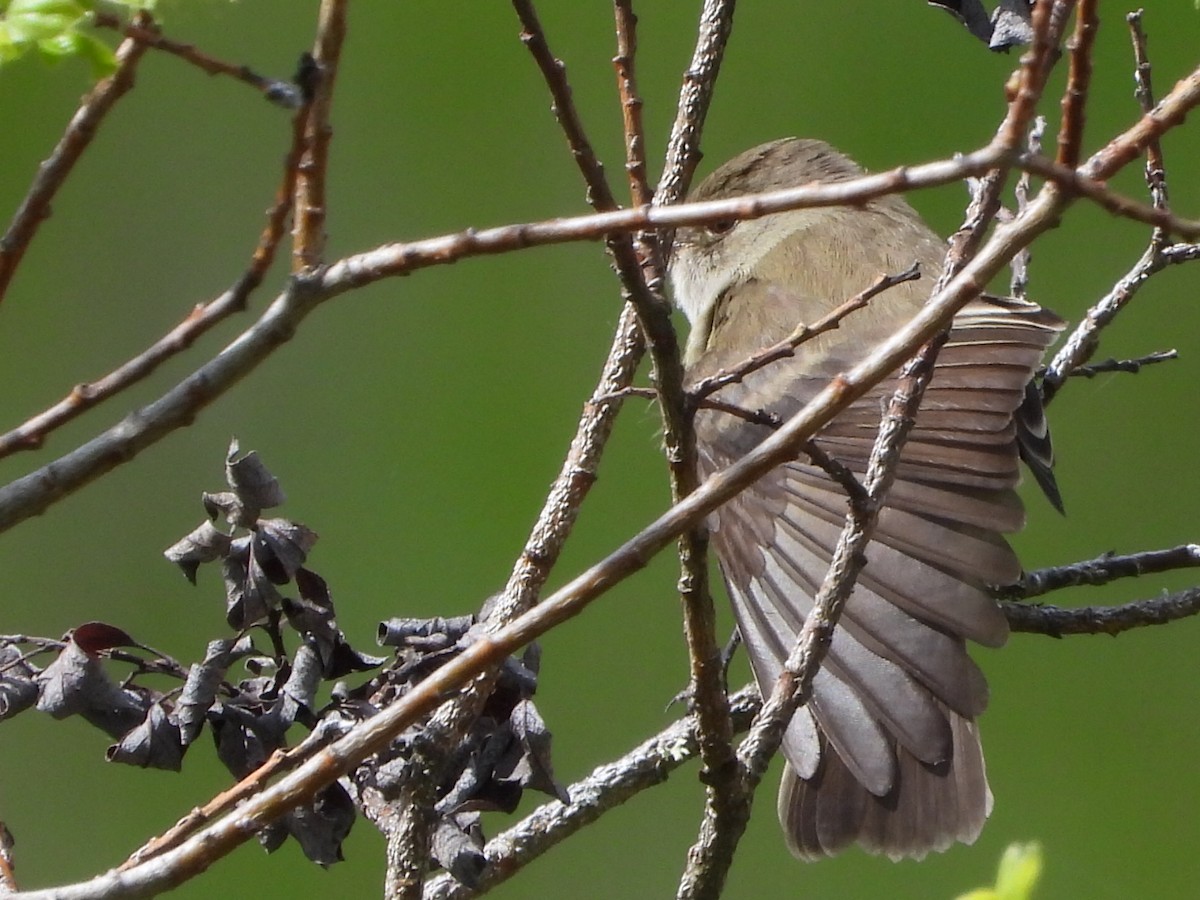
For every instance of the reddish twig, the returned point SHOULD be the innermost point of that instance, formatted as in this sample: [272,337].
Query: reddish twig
[308,225]
[631,102]
[1073,181]
[35,208]
[281,93]
[1074,99]
[32,433]
[280,761]
[1048,21]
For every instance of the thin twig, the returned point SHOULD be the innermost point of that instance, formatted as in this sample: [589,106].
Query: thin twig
[1019,281]
[1085,339]
[1056,621]
[35,207]
[281,93]
[631,102]
[1102,570]
[32,433]
[308,221]
[1048,22]
[280,761]
[1074,98]
[1106,197]
[705,656]
[1130,366]
[554,72]
[1156,176]
[403,258]
[786,348]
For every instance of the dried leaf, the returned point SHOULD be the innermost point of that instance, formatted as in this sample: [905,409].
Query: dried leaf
[76,684]
[249,594]
[533,768]
[321,828]
[155,743]
[256,487]
[457,845]
[281,547]
[1009,25]
[312,615]
[204,680]
[204,544]
[1013,21]
[432,634]
[240,746]
[226,505]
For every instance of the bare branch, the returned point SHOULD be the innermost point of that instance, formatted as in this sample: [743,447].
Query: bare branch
[308,226]
[605,789]
[695,96]
[1102,570]
[35,208]
[1019,282]
[1074,99]
[281,93]
[1058,622]
[1156,176]
[1131,366]
[32,433]
[631,102]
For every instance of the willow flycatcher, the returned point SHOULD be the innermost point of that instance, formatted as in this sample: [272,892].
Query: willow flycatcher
[886,753]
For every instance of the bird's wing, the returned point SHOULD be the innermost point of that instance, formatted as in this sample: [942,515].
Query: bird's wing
[886,753]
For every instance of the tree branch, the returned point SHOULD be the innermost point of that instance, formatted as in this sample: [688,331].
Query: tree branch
[35,208]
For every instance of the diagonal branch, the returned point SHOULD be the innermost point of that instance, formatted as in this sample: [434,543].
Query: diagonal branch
[281,93]
[373,735]
[32,433]
[35,208]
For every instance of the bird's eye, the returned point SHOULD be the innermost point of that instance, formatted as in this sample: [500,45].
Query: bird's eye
[721,226]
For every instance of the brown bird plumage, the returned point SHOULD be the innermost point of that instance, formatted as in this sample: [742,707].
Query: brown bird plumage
[886,754]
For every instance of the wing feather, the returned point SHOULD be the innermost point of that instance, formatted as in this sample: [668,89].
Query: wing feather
[886,754]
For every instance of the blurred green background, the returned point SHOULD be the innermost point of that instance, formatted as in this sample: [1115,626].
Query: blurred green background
[417,424]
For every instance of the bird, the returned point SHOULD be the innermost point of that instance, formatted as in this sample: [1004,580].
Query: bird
[886,752]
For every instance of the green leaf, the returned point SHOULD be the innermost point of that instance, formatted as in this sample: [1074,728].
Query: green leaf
[1020,869]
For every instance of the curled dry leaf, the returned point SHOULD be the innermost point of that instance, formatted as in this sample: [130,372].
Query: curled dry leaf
[204,544]
[155,743]
[204,680]
[75,683]
[1009,25]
